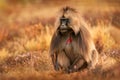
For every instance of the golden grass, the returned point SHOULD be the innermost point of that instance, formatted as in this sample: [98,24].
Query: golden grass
[102,38]
[3,54]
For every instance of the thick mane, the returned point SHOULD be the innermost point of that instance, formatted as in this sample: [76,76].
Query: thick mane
[84,39]
[55,40]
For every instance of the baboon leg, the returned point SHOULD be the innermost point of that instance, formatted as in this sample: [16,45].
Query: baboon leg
[78,63]
[63,61]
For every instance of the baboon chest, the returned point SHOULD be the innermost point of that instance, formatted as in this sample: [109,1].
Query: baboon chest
[71,48]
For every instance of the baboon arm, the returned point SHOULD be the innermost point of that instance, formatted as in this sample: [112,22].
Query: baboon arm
[54,58]
[54,61]
[76,60]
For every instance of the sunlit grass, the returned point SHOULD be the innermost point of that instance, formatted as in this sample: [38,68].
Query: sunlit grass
[3,54]
[102,37]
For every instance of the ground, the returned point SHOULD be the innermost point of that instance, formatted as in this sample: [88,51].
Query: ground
[26,29]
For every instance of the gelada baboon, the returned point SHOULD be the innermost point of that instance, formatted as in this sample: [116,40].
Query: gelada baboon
[71,45]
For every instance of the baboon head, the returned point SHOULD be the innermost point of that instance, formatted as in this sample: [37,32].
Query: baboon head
[68,19]
[64,24]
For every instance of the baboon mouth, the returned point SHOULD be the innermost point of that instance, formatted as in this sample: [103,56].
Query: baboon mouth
[65,29]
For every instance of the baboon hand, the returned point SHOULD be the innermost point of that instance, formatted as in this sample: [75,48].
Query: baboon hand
[56,66]
[72,68]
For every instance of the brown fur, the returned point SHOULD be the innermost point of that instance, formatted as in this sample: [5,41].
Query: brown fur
[82,49]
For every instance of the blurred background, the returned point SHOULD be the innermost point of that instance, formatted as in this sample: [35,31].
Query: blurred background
[26,28]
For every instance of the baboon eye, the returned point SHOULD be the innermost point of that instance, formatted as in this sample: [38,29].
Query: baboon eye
[64,20]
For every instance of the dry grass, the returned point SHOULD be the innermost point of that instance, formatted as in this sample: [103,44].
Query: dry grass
[25,40]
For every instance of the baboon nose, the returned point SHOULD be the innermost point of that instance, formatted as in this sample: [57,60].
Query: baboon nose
[63,27]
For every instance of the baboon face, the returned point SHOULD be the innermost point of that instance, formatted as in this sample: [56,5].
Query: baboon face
[64,25]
